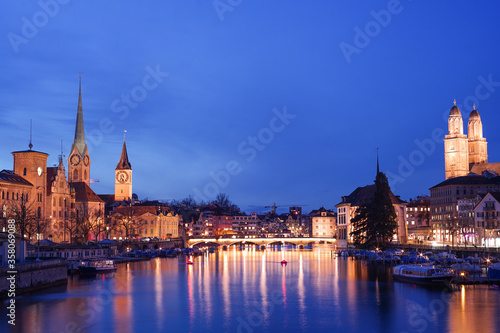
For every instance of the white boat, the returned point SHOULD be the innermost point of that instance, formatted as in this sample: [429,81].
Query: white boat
[425,275]
[97,266]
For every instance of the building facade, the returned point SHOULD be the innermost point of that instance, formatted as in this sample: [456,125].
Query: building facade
[487,220]
[447,226]
[246,225]
[347,210]
[418,216]
[60,203]
[466,153]
[323,223]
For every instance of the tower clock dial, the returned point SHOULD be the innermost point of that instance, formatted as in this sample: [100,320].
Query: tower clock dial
[86,160]
[74,159]
[39,171]
[122,177]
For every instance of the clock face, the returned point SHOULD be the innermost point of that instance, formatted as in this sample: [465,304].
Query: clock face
[86,160]
[122,177]
[39,171]
[74,159]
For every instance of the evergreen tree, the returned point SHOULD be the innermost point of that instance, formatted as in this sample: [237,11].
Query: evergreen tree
[384,214]
[361,226]
[375,222]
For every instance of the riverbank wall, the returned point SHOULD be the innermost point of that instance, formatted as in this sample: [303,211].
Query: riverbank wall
[32,276]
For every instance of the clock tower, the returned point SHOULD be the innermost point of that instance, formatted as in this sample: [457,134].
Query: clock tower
[79,160]
[123,176]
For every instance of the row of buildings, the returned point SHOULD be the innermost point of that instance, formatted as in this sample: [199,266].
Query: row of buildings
[47,202]
[462,210]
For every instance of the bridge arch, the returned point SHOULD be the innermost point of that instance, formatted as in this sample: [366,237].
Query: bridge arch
[204,243]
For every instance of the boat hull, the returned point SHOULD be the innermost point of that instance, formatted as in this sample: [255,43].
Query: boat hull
[92,270]
[436,281]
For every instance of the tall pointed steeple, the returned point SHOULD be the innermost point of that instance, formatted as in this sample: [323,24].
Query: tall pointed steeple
[123,176]
[79,141]
[378,168]
[79,159]
[124,162]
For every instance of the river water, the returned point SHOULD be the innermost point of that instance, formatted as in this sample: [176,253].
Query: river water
[250,291]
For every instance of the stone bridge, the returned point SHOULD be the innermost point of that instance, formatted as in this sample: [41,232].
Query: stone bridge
[262,243]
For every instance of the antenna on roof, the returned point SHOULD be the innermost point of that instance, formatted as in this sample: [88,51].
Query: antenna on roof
[31,130]
[61,155]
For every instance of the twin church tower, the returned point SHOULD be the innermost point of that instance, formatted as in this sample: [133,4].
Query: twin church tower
[464,154]
[79,160]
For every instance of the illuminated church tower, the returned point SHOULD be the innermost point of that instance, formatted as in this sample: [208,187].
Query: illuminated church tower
[478,152]
[123,176]
[79,160]
[456,146]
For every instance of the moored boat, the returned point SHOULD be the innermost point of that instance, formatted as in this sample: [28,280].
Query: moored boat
[424,275]
[97,266]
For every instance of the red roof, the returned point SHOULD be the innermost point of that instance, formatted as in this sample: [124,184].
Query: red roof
[83,193]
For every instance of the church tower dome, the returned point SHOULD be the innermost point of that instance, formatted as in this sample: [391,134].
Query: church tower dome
[475,126]
[456,156]
[455,121]
[477,144]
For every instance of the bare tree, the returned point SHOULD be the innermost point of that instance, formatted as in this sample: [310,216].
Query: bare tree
[222,205]
[96,223]
[71,225]
[124,218]
[82,219]
[24,213]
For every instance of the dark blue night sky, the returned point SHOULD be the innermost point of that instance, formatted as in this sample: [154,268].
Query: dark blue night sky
[267,101]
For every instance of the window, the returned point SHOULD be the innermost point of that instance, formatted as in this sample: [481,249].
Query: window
[75,174]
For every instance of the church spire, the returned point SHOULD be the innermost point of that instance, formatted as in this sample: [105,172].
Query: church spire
[378,168]
[61,163]
[124,162]
[79,131]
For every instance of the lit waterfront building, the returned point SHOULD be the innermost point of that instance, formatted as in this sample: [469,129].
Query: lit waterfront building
[466,225]
[323,223]
[445,220]
[347,210]
[487,220]
[59,203]
[136,221]
[222,225]
[418,216]
[246,225]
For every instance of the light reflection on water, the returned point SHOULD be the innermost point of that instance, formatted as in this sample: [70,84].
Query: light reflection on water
[250,291]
